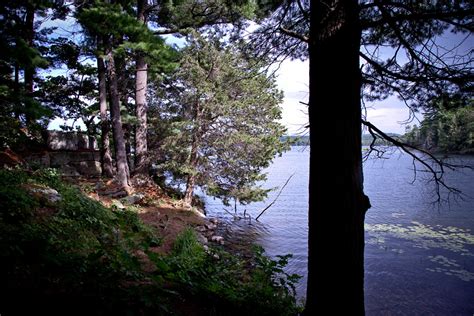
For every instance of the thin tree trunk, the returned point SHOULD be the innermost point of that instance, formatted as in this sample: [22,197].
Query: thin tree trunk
[193,157]
[191,182]
[29,70]
[141,149]
[119,140]
[128,135]
[105,155]
[29,39]
[337,203]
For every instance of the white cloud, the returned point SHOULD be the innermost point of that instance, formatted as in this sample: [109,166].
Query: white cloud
[293,78]
[390,119]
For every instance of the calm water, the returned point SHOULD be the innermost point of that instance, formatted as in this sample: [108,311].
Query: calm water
[419,256]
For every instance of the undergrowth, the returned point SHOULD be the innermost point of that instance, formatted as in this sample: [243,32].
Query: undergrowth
[78,257]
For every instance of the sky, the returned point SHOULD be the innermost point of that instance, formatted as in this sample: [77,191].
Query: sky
[389,115]
[293,79]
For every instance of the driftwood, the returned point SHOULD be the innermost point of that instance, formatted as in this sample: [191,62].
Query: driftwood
[276,198]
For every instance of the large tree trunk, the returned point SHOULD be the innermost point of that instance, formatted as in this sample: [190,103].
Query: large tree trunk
[141,149]
[119,140]
[105,155]
[337,203]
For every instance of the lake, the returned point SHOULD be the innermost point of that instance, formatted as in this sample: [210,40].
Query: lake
[419,256]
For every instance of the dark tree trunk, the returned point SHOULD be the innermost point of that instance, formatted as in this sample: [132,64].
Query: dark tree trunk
[337,203]
[119,139]
[105,155]
[141,149]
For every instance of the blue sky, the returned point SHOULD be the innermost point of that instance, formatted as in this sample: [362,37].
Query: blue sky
[293,79]
[389,115]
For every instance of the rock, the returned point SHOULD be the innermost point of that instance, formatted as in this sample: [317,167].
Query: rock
[218,239]
[115,194]
[44,195]
[203,240]
[133,199]
[99,185]
[197,212]
[118,205]
[213,220]
[201,228]
[211,226]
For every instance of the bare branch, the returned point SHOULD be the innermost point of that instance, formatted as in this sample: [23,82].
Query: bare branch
[293,34]
[437,175]
[276,198]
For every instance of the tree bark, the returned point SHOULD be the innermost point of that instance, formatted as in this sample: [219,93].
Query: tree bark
[29,39]
[191,182]
[194,157]
[119,140]
[337,203]
[105,155]
[141,143]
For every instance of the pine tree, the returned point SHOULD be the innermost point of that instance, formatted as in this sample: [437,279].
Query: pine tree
[223,111]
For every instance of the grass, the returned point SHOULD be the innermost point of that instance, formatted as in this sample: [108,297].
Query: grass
[79,257]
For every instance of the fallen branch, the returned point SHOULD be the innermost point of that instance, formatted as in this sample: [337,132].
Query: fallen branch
[233,215]
[276,198]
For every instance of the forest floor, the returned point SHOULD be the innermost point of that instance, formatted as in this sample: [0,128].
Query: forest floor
[80,246]
[168,216]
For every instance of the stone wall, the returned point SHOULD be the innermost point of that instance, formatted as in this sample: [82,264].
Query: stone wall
[70,141]
[73,153]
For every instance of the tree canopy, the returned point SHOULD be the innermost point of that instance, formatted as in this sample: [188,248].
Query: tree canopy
[225,109]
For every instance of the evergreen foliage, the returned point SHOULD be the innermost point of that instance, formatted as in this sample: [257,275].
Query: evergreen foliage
[448,127]
[222,111]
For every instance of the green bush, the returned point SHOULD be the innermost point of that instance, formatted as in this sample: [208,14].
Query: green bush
[226,284]
[83,256]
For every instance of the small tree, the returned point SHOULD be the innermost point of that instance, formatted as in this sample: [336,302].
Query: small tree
[224,130]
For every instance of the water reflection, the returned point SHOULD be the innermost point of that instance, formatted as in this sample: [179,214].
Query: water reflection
[453,239]
[419,258]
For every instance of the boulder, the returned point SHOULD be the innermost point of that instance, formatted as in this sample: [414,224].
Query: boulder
[218,239]
[44,195]
[134,198]
[203,240]
[118,205]
[211,226]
